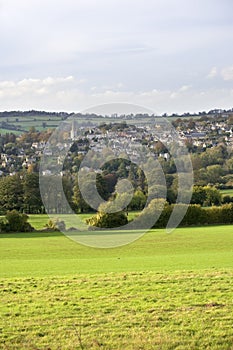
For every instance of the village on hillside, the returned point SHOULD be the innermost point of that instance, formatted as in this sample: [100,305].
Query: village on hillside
[24,151]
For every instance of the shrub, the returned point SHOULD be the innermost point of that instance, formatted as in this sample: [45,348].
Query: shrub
[109,215]
[213,215]
[227,214]
[157,209]
[195,215]
[227,199]
[164,216]
[108,220]
[55,225]
[15,222]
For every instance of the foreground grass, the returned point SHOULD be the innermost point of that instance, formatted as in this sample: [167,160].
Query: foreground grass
[160,292]
[147,310]
[41,254]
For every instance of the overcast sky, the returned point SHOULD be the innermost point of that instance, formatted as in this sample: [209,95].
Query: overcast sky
[167,55]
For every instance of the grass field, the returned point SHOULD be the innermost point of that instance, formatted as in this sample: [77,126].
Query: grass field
[24,123]
[228,192]
[160,292]
[8,131]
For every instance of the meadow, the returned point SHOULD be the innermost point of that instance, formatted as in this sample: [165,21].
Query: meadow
[164,291]
[228,192]
[43,122]
[24,123]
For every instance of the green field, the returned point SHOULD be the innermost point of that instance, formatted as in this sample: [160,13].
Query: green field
[24,123]
[164,291]
[8,131]
[228,192]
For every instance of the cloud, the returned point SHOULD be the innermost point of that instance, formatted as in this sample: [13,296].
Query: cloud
[180,92]
[227,73]
[33,83]
[70,94]
[185,88]
[29,88]
[213,73]
[154,51]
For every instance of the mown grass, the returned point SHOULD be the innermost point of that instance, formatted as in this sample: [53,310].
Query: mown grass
[228,192]
[41,254]
[164,291]
[39,221]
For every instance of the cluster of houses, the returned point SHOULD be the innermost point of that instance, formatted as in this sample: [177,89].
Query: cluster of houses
[209,134]
[131,140]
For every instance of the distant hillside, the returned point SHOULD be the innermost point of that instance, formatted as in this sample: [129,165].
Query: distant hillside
[18,121]
[21,121]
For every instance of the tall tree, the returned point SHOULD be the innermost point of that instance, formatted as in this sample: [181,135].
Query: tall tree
[31,193]
[11,193]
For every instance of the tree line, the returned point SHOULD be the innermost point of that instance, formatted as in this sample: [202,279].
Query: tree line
[22,192]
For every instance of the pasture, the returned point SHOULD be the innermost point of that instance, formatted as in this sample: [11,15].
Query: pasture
[24,123]
[43,122]
[164,291]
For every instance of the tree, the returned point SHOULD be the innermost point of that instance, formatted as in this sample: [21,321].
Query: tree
[67,183]
[213,196]
[206,195]
[122,171]
[199,195]
[138,201]
[11,193]
[101,186]
[31,193]
[214,173]
[110,182]
[141,180]
[79,203]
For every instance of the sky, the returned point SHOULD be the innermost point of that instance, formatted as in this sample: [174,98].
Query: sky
[171,56]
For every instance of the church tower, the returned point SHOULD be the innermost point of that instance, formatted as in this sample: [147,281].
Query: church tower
[73,133]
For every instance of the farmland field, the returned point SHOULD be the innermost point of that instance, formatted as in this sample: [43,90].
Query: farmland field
[24,123]
[43,122]
[164,291]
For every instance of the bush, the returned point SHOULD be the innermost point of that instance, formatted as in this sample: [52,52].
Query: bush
[55,225]
[165,215]
[157,209]
[195,215]
[108,220]
[227,213]
[15,222]
[213,215]
[227,199]
[109,215]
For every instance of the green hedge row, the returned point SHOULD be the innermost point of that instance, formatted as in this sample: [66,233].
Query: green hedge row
[195,214]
